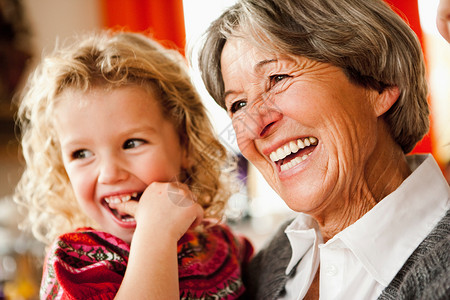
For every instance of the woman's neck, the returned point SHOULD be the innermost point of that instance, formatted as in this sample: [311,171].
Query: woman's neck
[384,171]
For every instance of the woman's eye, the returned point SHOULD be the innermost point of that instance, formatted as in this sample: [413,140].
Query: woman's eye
[132,143]
[81,154]
[274,79]
[235,106]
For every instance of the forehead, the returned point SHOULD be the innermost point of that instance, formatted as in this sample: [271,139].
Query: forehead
[105,94]
[109,114]
[101,105]
[243,64]
[238,53]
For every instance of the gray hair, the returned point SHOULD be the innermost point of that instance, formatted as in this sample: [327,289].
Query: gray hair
[366,39]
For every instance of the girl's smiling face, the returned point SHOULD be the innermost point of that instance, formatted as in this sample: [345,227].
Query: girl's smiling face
[114,143]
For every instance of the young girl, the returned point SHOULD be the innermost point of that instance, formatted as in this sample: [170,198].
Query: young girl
[121,167]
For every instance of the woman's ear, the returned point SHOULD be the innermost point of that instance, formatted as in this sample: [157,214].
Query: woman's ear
[384,101]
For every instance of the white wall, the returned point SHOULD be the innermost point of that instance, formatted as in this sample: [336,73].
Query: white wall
[51,19]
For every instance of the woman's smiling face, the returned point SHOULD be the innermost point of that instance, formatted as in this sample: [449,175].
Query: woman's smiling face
[302,123]
[115,143]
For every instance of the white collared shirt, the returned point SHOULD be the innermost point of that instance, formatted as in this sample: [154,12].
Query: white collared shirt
[360,261]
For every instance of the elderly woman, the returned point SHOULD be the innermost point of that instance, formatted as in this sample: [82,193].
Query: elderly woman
[326,98]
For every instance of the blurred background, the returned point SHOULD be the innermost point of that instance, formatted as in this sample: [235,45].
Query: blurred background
[30,28]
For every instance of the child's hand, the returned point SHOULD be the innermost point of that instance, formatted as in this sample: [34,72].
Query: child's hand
[165,211]
[166,208]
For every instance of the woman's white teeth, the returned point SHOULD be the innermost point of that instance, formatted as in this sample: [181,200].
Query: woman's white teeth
[292,147]
[119,199]
[294,162]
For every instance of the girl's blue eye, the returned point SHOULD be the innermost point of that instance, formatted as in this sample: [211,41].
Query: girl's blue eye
[132,143]
[235,106]
[81,154]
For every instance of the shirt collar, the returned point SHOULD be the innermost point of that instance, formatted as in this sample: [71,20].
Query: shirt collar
[384,238]
[387,235]
[303,233]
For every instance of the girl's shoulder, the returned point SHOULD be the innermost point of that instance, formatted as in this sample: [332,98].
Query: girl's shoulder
[214,235]
[90,244]
[85,255]
[210,261]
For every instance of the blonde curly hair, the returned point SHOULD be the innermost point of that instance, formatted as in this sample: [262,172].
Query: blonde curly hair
[109,60]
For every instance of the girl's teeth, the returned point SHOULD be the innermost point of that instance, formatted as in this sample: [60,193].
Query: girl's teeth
[112,200]
[119,199]
[128,219]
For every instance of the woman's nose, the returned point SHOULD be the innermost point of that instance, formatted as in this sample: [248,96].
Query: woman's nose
[258,120]
[112,170]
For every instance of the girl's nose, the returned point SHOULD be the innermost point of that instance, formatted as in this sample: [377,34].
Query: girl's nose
[111,171]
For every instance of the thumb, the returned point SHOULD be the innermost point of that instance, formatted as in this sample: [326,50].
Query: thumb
[128,207]
[198,217]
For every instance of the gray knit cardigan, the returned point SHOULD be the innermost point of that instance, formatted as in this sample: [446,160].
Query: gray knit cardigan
[425,275]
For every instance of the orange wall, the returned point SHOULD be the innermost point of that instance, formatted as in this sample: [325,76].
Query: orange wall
[409,11]
[164,20]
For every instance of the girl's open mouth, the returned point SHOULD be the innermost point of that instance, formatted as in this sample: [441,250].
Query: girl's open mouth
[121,217]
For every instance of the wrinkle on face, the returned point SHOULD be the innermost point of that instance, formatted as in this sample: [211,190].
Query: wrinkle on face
[336,183]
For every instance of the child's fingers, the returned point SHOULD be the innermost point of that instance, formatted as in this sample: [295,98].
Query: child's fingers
[169,205]
[183,198]
[180,194]
[199,216]
[128,207]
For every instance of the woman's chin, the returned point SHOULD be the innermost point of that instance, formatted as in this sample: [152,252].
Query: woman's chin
[302,202]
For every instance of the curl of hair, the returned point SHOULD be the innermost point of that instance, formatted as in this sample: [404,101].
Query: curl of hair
[366,39]
[109,60]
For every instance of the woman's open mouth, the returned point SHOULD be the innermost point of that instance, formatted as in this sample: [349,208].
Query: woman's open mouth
[294,152]
[122,217]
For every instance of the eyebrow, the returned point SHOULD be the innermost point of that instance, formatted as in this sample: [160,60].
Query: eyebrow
[139,129]
[262,63]
[257,68]
[134,130]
